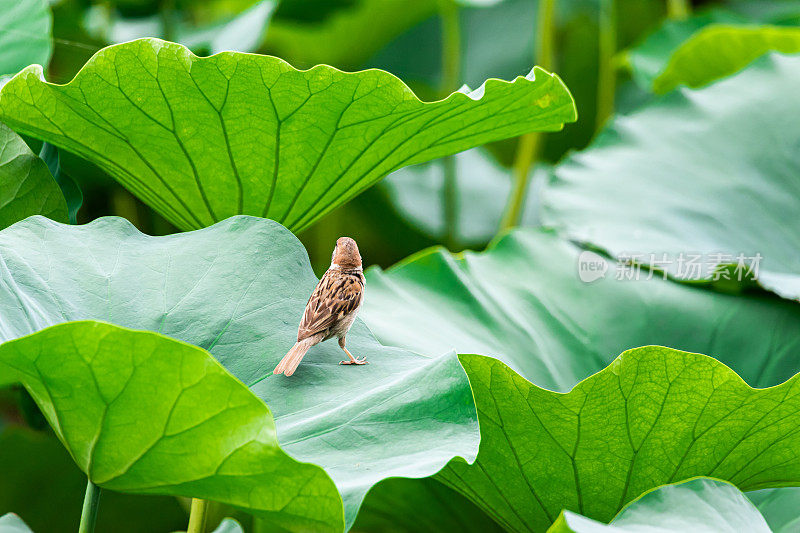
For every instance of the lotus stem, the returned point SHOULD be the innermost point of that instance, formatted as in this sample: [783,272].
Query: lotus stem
[198,516]
[527,152]
[451,74]
[545,34]
[451,46]
[168,20]
[678,9]
[450,201]
[89,513]
[607,74]
[530,143]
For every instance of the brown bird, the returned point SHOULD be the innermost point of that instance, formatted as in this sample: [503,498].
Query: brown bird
[332,308]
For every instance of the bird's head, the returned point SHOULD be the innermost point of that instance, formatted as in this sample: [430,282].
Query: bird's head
[345,255]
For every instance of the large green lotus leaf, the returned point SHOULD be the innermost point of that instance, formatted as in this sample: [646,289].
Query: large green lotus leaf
[700,505]
[41,483]
[720,50]
[199,432]
[11,523]
[201,139]
[238,290]
[400,505]
[25,34]
[523,302]
[654,416]
[26,185]
[708,171]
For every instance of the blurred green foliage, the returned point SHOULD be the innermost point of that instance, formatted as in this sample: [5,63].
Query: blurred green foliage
[390,222]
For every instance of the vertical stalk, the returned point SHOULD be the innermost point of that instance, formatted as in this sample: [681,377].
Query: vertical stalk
[606,74]
[451,46]
[546,34]
[451,72]
[527,152]
[89,512]
[198,516]
[450,201]
[678,9]
[167,12]
[530,143]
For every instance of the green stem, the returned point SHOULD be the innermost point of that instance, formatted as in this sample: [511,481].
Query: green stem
[450,201]
[90,503]
[530,143]
[451,46]
[678,9]
[451,74]
[545,34]
[527,152]
[197,516]
[607,74]
[167,12]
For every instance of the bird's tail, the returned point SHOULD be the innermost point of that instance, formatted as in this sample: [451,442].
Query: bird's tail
[290,361]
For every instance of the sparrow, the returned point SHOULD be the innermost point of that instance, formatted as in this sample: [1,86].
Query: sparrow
[332,308]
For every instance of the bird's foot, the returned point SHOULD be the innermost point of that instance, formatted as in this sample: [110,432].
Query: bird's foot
[355,361]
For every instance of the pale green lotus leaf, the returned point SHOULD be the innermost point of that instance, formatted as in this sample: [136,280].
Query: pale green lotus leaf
[696,179]
[701,505]
[25,35]
[531,301]
[238,290]
[11,523]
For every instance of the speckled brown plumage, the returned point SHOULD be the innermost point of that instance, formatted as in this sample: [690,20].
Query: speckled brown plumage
[335,300]
[332,307]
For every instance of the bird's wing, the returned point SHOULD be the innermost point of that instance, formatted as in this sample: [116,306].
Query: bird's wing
[336,296]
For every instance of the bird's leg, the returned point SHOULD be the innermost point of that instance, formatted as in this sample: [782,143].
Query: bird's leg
[353,360]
